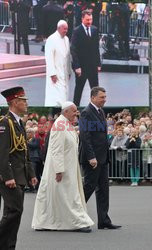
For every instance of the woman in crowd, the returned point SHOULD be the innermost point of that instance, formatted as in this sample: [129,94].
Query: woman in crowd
[133,144]
[120,153]
[146,146]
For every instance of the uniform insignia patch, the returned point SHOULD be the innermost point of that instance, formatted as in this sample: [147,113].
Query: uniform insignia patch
[2,128]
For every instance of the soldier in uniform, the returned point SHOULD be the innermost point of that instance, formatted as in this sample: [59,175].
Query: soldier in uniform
[15,168]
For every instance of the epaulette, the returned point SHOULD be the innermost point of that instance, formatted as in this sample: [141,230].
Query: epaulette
[4,117]
[17,143]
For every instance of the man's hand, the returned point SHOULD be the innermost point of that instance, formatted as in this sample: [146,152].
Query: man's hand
[132,139]
[34,181]
[54,79]
[99,69]
[10,183]
[58,177]
[93,162]
[78,72]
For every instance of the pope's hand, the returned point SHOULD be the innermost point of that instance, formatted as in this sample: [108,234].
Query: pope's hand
[58,177]
[54,79]
[34,181]
[93,162]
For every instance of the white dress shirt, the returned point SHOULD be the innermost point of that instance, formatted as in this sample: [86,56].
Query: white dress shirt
[18,118]
[87,29]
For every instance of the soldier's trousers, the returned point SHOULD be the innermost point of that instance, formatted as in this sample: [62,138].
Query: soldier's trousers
[13,208]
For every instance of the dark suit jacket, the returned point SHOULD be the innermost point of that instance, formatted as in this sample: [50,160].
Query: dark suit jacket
[52,13]
[22,8]
[41,3]
[84,50]
[93,136]
[15,165]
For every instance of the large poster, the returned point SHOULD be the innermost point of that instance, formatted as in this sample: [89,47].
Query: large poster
[123,47]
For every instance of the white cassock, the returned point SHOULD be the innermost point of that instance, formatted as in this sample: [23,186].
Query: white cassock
[57,56]
[61,205]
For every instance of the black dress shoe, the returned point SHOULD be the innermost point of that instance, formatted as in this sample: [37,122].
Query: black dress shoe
[109,226]
[83,230]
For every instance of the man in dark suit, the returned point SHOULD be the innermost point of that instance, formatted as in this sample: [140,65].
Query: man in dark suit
[20,21]
[94,155]
[38,16]
[69,16]
[15,169]
[52,14]
[85,55]
[119,23]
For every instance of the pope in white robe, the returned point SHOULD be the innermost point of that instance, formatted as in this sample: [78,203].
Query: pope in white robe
[60,202]
[58,66]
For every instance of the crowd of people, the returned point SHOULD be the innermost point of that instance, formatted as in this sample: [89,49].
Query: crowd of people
[124,133]
[46,153]
[71,11]
[132,143]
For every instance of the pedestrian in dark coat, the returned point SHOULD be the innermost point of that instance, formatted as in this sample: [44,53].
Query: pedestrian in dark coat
[35,154]
[52,14]
[38,16]
[94,155]
[20,21]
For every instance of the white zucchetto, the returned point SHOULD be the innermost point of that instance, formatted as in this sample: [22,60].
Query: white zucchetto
[67,104]
[61,22]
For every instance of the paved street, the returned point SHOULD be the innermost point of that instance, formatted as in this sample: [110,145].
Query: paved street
[129,206]
[123,89]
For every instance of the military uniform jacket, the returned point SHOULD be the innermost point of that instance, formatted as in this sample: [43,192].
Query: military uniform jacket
[15,164]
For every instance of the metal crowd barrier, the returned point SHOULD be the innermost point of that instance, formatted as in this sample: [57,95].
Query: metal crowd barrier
[122,162]
[5,16]
[138,28]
